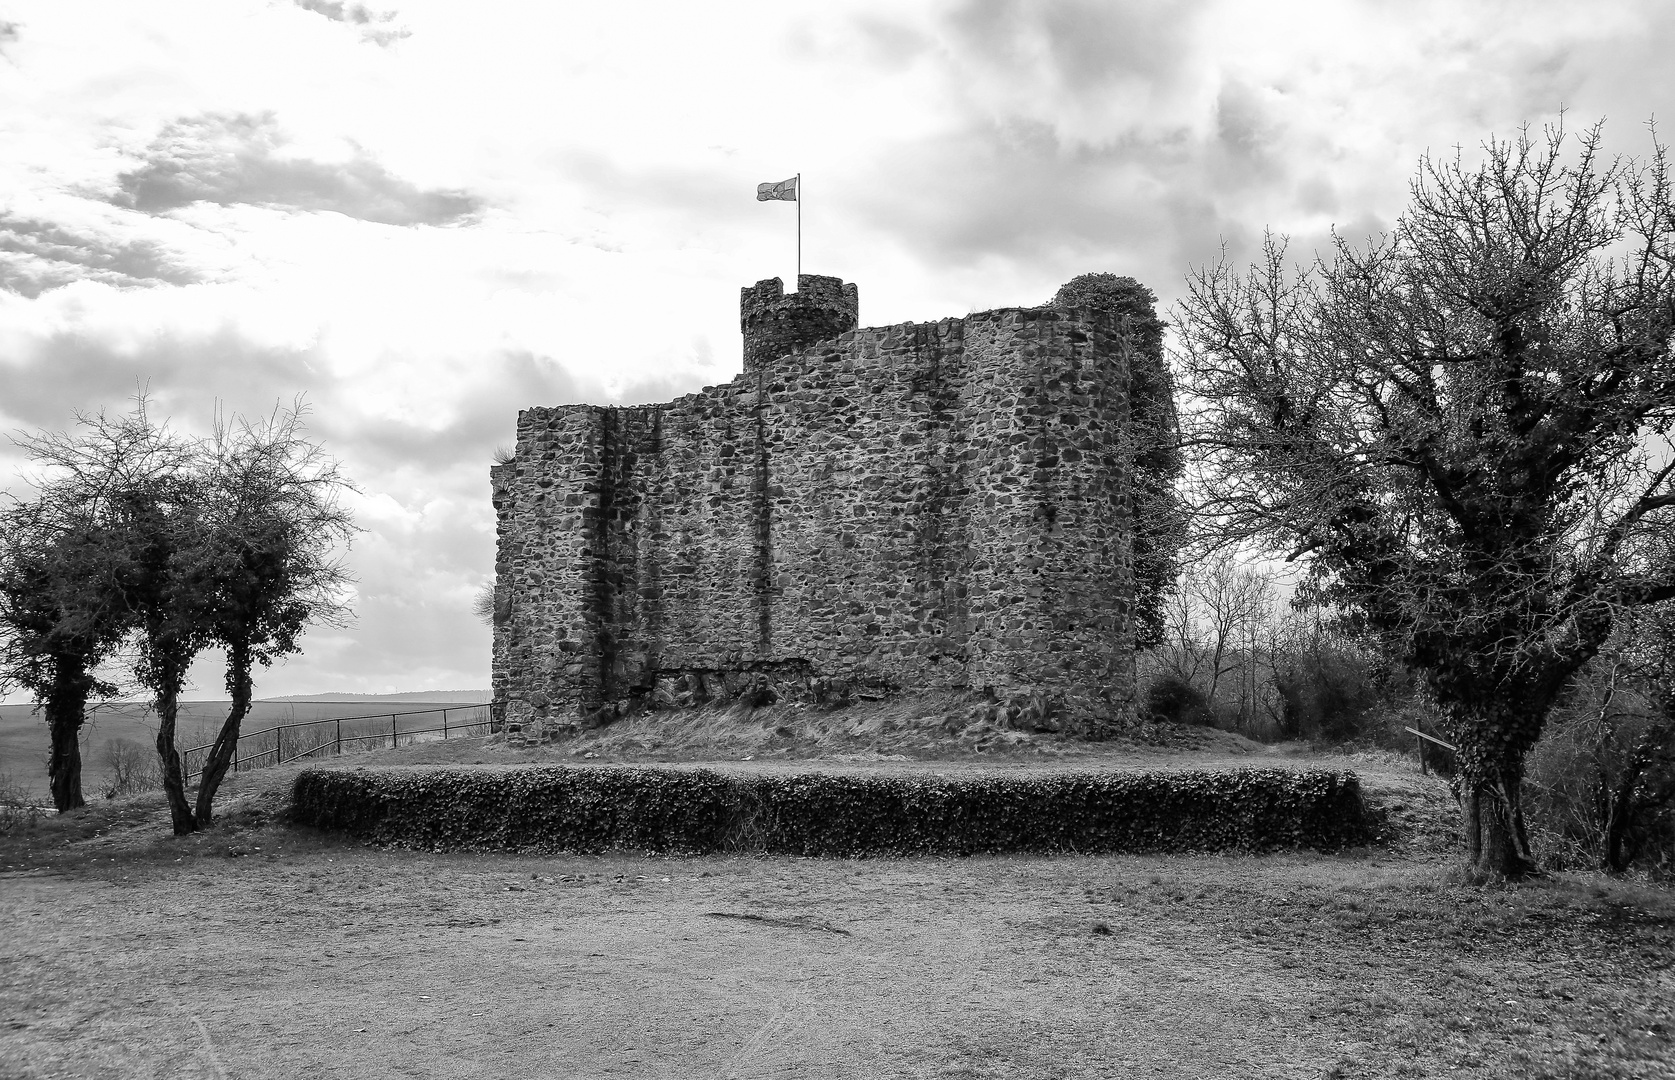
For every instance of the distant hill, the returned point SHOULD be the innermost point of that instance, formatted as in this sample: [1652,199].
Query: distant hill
[465,697]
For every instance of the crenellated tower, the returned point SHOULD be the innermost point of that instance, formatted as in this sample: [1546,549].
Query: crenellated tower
[776,325]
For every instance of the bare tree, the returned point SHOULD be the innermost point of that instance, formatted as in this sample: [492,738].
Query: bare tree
[1606,776]
[1212,620]
[69,567]
[1462,427]
[1233,600]
[170,613]
[482,605]
[267,560]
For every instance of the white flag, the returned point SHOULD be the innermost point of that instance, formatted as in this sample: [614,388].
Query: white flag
[785,189]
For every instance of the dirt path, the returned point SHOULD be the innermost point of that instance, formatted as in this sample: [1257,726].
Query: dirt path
[343,962]
[259,950]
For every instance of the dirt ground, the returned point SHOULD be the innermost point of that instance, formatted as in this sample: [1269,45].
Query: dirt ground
[263,950]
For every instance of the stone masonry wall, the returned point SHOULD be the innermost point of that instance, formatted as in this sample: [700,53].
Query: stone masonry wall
[927,505]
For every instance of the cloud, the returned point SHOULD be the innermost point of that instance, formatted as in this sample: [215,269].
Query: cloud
[1009,189]
[39,255]
[220,201]
[1082,45]
[373,25]
[79,368]
[1091,69]
[891,45]
[233,160]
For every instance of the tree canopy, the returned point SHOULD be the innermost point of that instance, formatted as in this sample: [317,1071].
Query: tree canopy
[1462,426]
[71,565]
[138,536]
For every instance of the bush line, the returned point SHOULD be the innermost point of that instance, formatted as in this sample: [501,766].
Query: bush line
[588,809]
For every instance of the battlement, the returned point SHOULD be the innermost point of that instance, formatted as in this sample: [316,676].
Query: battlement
[776,325]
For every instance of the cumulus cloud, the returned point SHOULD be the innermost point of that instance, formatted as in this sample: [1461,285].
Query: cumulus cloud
[238,201]
[230,160]
[1078,45]
[40,255]
[374,26]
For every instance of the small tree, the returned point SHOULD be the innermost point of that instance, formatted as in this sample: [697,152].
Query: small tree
[172,613]
[68,569]
[268,562]
[1605,777]
[57,631]
[1212,622]
[482,605]
[1463,428]
[1324,679]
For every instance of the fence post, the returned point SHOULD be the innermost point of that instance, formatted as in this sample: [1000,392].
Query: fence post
[392,731]
[339,723]
[444,725]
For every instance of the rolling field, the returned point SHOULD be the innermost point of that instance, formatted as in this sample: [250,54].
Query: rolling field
[24,745]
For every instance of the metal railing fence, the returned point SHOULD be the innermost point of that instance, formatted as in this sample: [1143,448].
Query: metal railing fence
[299,739]
[1424,762]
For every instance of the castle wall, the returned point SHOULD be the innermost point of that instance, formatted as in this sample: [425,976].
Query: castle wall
[920,505]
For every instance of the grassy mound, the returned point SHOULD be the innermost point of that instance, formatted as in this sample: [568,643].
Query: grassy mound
[833,814]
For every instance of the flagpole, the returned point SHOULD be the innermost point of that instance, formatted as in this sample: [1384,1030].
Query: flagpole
[799,230]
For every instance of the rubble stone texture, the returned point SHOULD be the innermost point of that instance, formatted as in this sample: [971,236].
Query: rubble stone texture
[928,505]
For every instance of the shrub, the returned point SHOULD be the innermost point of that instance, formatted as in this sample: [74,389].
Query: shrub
[1572,777]
[695,811]
[1326,695]
[18,811]
[1171,699]
[133,768]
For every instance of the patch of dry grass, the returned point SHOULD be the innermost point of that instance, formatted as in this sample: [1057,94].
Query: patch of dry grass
[134,953]
[286,954]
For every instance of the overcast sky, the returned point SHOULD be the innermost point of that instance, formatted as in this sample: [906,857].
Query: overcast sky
[427,215]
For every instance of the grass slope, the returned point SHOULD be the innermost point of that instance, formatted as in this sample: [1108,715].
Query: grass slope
[261,949]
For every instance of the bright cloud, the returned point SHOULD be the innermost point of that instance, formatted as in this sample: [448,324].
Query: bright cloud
[426,215]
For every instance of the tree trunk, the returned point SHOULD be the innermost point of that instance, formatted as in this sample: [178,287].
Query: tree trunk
[226,743]
[1619,816]
[1620,812]
[1497,844]
[66,711]
[174,783]
[64,766]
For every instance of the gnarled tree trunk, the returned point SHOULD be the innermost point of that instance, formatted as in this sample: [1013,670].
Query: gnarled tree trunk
[66,712]
[64,765]
[1491,741]
[174,780]
[1497,843]
[226,743]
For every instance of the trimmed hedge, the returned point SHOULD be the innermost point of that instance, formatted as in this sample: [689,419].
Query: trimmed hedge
[697,811]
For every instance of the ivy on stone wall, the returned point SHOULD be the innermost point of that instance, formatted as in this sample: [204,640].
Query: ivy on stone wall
[827,814]
[1158,514]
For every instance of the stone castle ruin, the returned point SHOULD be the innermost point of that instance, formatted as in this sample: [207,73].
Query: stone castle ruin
[927,506]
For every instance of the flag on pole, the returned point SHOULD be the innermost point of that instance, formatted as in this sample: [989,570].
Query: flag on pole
[785,189]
